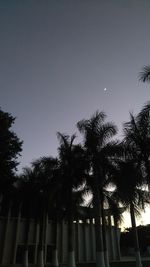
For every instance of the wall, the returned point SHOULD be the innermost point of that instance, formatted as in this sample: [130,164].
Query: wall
[12,238]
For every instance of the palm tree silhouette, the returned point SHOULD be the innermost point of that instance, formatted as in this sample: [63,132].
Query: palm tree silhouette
[108,203]
[73,171]
[47,184]
[128,180]
[27,195]
[96,134]
[137,137]
[38,186]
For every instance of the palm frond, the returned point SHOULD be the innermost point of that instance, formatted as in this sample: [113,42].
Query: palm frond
[63,138]
[145,110]
[131,126]
[72,138]
[85,125]
[113,149]
[144,75]
[143,119]
[137,211]
[98,118]
[106,131]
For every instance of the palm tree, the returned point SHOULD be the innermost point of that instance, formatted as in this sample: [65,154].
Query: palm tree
[49,168]
[109,202]
[97,133]
[108,205]
[47,184]
[128,180]
[27,195]
[137,137]
[38,186]
[137,152]
[114,210]
[144,75]
[73,171]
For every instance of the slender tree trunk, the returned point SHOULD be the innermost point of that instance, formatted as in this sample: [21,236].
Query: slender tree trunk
[36,240]
[98,230]
[111,237]
[117,239]
[6,232]
[17,233]
[137,249]
[40,261]
[106,258]
[45,236]
[55,249]
[26,245]
[71,252]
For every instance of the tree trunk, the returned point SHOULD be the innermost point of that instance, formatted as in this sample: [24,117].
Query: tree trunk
[137,249]
[71,253]
[98,230]
[40,261]
[6,232]
[17,233]
[36,241]
[55,249]
[26,245]
[106,258]
[117,239]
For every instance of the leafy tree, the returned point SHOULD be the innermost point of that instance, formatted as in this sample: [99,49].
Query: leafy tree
[10,147]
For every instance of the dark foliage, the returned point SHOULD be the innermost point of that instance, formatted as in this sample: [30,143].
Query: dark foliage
[144,75]
[127,237]
[10,147]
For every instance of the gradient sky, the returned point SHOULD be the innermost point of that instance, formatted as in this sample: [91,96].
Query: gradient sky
[56,58]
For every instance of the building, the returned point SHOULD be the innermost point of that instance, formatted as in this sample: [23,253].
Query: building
[13,238]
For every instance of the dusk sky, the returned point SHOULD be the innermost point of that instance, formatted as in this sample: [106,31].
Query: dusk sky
[56,58]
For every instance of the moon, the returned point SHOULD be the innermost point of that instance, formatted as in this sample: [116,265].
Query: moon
[105,89]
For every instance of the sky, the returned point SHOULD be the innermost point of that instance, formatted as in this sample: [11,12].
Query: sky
[56,59]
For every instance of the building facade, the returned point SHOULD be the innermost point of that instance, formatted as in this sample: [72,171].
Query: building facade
[13,236]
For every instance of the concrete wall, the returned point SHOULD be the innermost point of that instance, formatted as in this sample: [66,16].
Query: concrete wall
[12,238]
